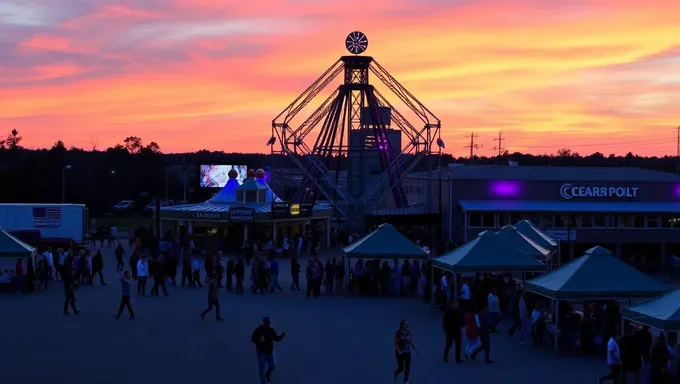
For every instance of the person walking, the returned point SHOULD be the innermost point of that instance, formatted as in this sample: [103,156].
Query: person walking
[230,274]
[158,274]
[312,273]
[125,297]
[119,252]
[142,276]
[213,296]
[483,329]
[273,271]
[264,337]
[452,325]
[613,359]
[98,267]
[69,293]
[295,270]
[240,274]
[403,343]
[195,272]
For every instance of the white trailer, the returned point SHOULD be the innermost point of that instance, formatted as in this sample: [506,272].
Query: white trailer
[54,221]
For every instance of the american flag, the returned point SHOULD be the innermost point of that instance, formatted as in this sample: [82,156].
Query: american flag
[48,217]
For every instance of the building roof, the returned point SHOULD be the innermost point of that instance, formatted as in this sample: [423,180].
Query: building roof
[547,173]
[567,206]
[224,207]
[416,209]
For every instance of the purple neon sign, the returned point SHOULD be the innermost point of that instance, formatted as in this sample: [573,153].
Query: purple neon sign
[505,188]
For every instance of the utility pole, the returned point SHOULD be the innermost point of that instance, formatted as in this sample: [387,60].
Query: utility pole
[499,146]
[473,147]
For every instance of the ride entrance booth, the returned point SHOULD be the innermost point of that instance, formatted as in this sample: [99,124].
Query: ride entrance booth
[249,212]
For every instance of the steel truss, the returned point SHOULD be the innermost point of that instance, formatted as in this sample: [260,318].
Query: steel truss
[339,115]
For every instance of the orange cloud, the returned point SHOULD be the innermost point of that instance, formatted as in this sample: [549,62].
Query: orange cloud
[45,42]
[201,74]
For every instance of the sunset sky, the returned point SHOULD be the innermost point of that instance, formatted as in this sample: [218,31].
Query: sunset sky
[590,75]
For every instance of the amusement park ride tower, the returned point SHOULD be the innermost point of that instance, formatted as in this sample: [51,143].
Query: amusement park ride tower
[358,131]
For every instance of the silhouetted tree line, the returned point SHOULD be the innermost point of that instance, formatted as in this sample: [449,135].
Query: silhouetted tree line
[133,170]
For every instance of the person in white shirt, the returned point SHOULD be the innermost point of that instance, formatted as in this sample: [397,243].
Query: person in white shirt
[286,246]
[494,310]
[142,276]
[525,319]
[613,359]
[444,284]
[47,255]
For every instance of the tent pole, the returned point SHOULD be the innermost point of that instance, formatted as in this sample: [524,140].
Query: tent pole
[347,268]
[431,287]
[556,316]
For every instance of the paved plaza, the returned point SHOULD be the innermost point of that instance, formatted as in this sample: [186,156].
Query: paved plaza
[330,340]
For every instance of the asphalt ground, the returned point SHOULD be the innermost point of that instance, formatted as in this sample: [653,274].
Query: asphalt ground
[330,340]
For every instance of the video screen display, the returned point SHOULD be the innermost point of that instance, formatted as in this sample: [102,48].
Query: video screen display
[217,175]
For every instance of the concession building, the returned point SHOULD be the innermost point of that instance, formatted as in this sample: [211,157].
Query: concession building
[631,211]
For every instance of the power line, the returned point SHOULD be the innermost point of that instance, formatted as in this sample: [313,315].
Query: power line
[499,146]
[472,146]
[608,143]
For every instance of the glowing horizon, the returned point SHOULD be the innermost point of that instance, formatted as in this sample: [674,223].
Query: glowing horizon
[591,76]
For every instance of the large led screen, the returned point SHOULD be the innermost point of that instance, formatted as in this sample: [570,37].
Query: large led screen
[217,175]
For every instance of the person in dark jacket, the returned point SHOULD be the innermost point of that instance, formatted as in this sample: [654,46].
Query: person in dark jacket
[29,280]
[262,276]
[119,252]
[264,338]
[295,270]
[213,297]
[157,270]
[452,325]
[186,270]
[97,267]
[483,328]
[312,274]
[69,293]
[230,274]
[171,269]
[239,274]
[643,342]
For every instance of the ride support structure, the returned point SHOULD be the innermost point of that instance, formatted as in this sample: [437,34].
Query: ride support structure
[358,131]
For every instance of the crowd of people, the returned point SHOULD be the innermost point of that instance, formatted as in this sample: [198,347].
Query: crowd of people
[473,309]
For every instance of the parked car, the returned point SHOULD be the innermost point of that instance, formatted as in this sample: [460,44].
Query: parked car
[125,205]
[152,205]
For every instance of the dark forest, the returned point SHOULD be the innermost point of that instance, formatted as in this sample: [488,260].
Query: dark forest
[134,168]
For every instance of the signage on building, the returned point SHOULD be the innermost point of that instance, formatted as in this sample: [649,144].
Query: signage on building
[207,215]
[241,214]
[286,210]
[570,191]
[561,234]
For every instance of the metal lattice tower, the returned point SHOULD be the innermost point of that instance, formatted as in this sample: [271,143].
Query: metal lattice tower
[358,130]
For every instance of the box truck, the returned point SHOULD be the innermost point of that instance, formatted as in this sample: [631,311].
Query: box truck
[40,224]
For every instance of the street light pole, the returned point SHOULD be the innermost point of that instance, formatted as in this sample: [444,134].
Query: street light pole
[167,185]
[63,183]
